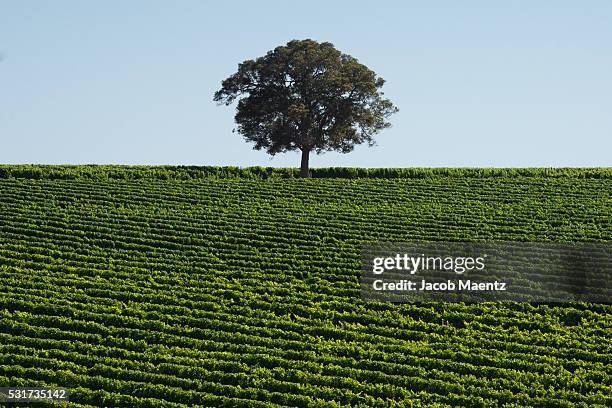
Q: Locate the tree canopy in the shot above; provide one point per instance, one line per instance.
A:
(306, 96)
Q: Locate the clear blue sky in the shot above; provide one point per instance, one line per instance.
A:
(478, 83)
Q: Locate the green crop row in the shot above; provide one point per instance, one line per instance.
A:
(104, 172)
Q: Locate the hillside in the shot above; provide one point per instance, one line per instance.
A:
(170, 287)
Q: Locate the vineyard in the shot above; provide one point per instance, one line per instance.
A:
(180, 287)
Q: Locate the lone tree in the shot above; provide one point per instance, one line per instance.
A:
(308, 96)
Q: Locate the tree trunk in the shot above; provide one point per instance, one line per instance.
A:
(304, 167)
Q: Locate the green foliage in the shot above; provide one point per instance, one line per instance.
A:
(200, 286)
(119, 172)
(309, 96)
